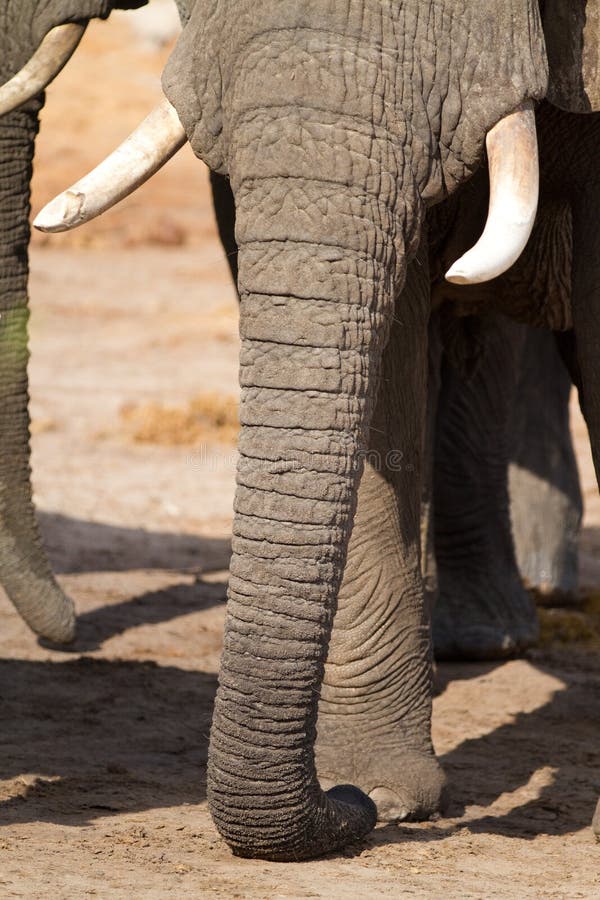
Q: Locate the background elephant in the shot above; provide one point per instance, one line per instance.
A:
(507, 503)
(25, 571)
(337, 128)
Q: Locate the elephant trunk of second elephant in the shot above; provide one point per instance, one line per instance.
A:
(318, 264)
(25, 572)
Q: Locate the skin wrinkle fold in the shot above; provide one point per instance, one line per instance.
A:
(386, 696)
(385, 616)
(279, 571)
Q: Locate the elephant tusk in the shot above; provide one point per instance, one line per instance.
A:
(143, 153)
(514, 192)
(53, 53)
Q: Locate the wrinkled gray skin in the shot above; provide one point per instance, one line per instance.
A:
(545, 495)
(503, 457)
(25, 572)
(338, 124)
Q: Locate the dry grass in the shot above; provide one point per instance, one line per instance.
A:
(42, 425)
(566, 626)
(207, 417)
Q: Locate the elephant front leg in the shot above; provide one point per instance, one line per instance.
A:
(374, 725)
(482, 610)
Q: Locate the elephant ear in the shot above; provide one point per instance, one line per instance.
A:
(572, 29)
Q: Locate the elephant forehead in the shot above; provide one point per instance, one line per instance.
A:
(435, 76)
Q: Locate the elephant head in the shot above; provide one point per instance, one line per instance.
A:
(36, 39)
(337, 122)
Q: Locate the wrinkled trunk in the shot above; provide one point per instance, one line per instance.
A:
(25, 572)
(318, 262)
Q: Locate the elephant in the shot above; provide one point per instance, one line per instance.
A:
(53, 28)
(345, 128)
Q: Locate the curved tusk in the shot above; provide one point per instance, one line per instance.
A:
(145, 151)
(514, 191)
(53, 53)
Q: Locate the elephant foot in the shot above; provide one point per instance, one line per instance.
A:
(596, 823)
(405, 785)
(482, 619)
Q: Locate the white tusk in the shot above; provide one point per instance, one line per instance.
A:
(514, 191)
(53, 53)
(145, 151)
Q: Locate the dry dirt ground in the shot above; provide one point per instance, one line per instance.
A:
(103, 748)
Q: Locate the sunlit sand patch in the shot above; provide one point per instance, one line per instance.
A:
(526, 793)
(507, 701)
(567, 626)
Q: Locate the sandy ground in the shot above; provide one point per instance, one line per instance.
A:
(103, 748)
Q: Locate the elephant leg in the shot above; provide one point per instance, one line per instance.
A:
(25, 572)
(374, 725)
(596, 822)
(545, 496)
(482, 610)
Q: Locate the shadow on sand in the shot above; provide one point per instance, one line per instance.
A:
(112, 735)
(126, 735)
(562, 736)
(77, 546)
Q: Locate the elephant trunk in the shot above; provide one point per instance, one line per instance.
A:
(25, 572)
(319, 264)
